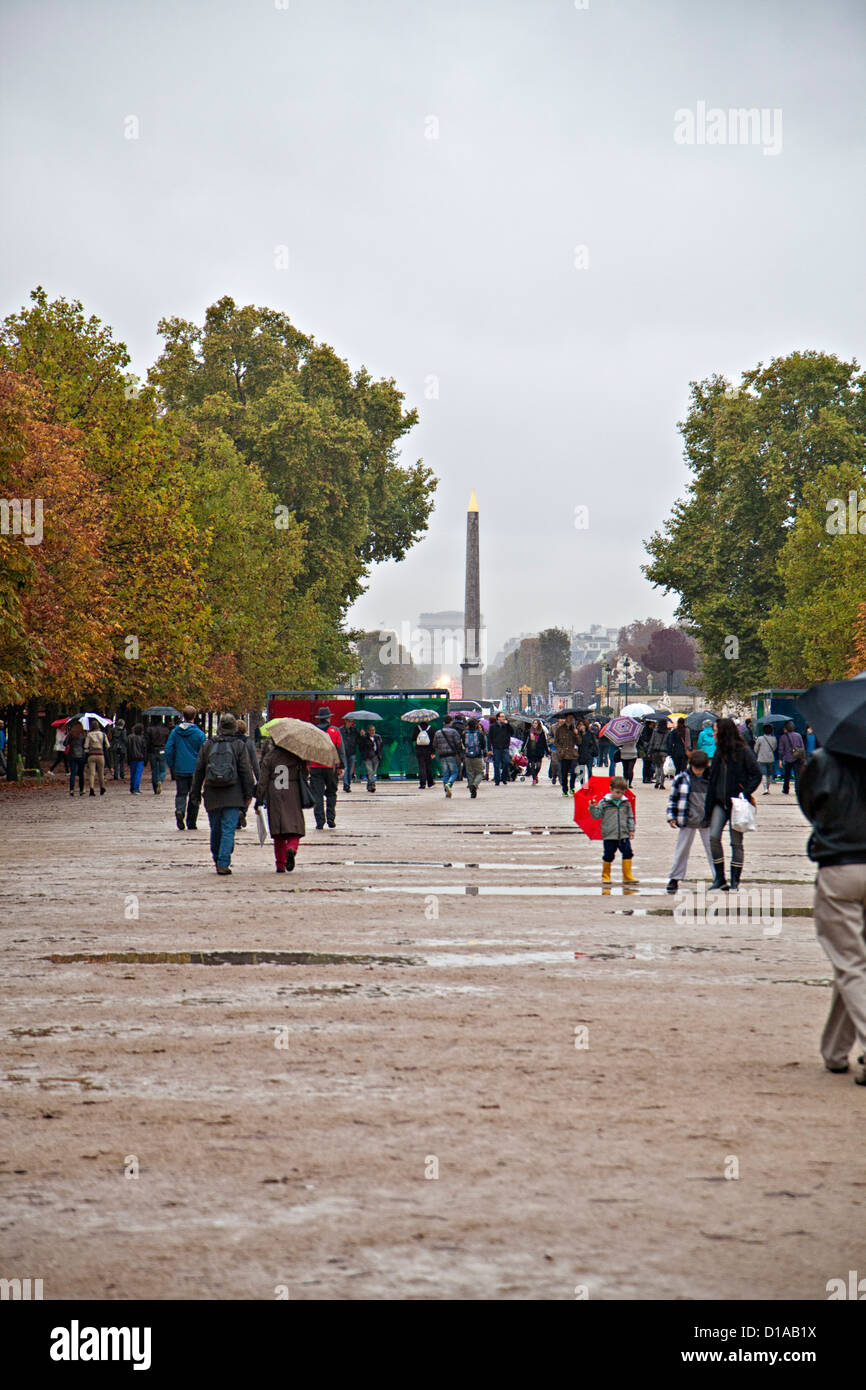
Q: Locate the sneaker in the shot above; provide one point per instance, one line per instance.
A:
(673, 884)
(473, 792)
(347, 789)
(222, 871)
(332, 825)
(447, 791)
(179, 820)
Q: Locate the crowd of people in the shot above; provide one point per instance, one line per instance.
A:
(715, 774)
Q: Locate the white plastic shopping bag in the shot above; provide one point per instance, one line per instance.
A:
(743, 814)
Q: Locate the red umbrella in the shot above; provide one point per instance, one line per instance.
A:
(594, 790)
(57, 722)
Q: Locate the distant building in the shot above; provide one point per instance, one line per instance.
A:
(593, 645)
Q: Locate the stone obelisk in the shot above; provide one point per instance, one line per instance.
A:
(472, 663)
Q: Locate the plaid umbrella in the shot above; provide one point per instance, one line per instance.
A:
(419, 716)
(594, 790)
(622, 729)
(303, 739)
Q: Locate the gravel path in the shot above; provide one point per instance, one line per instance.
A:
(448, 991)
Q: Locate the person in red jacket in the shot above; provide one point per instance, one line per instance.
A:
(323, 780)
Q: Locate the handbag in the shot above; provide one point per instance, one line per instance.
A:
(306, 793)
(743, 815)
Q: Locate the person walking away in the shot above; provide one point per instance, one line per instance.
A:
(137, 755)
(224, 778)
(567, 748)
(617, 827)
(792, 756)
(119, 751)
(349, 739)
(658, 752)
(587, 752)
(181, 756)
(76, 757)
(810, 742)
(324, 780)
(424, 753)
(500, 736)
(733, 772)
(370, 748)
(707, 739)
(59, 752)
(253, 755)
(448, 746)
(832, 795)
(643, 748)
(96, 750)
(279, 789)
(628, 753)
(475, 745)
(686, 808)
(156, 739)
(459, 724)
(677, 746)
(765, 755)
(535, 749)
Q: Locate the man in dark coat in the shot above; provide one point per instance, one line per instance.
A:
(324, 780)
(225, 795)
(156, 737)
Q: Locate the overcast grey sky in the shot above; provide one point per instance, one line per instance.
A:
(559, 384)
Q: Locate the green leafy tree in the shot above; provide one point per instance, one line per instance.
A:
(752, 452)
(325, 440)
(811, 634)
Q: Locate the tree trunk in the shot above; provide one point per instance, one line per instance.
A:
(14, 724)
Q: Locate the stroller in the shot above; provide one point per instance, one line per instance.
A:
(519, 761)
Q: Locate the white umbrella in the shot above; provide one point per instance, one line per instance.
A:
(85, 719)
(638, 711)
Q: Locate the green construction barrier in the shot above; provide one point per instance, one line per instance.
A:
(398, 750)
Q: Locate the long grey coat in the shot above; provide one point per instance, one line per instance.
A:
(285, 813)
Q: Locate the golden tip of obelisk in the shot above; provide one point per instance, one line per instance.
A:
(473, 502)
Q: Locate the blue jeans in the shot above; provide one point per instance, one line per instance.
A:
(223, 824)
(157, 768)
(501, 761)
(135, 770)
(353, 760)
(449, 770)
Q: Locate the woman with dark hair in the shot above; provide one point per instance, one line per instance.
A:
(535, 749)
(678, 745)
(734, 772)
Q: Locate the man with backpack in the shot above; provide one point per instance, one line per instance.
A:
(424, 754)
(475, 744)
(156, 738)
(223, 774)
(448, 745)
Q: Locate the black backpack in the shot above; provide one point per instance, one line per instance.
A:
(222, 764)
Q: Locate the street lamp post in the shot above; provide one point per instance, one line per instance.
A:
(508, 699)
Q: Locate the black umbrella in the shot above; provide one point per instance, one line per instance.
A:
(695, 721)
(773, 719)
(837, 712)
(156, 710)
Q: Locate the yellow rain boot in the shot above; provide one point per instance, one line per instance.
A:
(627, 876)
(605, 871)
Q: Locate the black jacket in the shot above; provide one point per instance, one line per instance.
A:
(156, 737)
(832, 795)
(588, 748)
(730, 777)
(500, 735)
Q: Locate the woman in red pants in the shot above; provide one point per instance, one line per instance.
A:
(279, 789)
